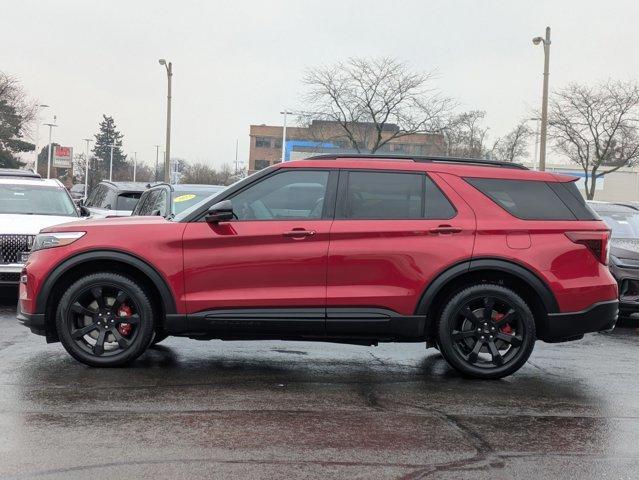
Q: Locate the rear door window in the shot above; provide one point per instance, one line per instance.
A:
(393, 196)
(525, 199)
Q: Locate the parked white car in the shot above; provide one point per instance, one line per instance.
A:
(28, 205)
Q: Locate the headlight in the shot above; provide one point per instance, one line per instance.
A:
(50, 240)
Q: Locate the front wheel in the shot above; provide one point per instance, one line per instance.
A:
(486, 331)
(105, 320)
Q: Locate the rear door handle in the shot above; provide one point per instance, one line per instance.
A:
(445, 229)
(299, 233)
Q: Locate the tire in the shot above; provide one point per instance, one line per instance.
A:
(486, 331)
(105, 320)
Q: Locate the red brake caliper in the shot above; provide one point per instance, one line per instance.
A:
(125, 328)
(504, 329)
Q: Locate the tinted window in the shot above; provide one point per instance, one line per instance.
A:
(389, 195)
(97, 196)
(286, 195)
(569, 194)
(127, 201)
(525, 199)
(146, 204)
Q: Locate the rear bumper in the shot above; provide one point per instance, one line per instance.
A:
(33, 321)
(599, 317)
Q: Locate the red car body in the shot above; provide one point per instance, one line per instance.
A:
(330, 269)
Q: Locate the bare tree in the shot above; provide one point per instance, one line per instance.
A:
(596, 127)
(514, 145)
(373, 101)
(465, 135)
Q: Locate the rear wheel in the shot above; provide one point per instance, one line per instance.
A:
(105, 320)
(486, 331)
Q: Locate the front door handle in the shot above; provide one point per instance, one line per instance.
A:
(445, 229)
(299, 233)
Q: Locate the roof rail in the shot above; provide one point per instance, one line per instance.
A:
(420, 158)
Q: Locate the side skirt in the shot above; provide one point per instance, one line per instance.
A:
(363, 326)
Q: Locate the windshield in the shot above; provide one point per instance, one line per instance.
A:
(36, 200)
(184, 199)
(622, 224)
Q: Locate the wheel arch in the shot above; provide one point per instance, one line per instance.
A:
(107, 260)
(489, 270)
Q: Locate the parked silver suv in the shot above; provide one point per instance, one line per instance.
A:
(114, 199)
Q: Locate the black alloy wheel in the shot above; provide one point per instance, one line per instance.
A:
(105, 319)
(486, 331)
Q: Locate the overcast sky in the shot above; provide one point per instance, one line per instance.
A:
(238, 62)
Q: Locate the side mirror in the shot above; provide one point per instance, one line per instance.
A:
(84, 211)
(220, 212)
(156, 213)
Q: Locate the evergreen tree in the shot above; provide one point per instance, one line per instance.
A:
(108, 135)
(11, 143)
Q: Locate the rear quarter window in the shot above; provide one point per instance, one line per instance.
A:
(527, 199)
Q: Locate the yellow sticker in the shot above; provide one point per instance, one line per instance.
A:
(184, 198)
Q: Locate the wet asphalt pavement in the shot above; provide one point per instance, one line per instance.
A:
(231, 410)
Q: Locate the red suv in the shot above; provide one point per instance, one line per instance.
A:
(476, 258)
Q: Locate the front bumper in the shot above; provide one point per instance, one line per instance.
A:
(10, 273)
(599, 317)
(34, 321)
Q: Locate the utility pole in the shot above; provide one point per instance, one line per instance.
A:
(285, 113)
(157, 153)
(86, 170)
(50, 125)
(167, 157)
(544, 102)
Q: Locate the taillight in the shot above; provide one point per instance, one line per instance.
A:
(597, 242)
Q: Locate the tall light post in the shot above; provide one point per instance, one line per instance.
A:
(50, 125)
(157, 154)
(285, 113)
(37, 139)
(111, 163)
(167, 157)
(86, 170)
(544, 102)
(135, 164)
(536, 120)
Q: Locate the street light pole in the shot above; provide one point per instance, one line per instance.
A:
(167, 157)
(50, 125)
(86, 170)
(157, 153)
(111, 164)
(135, 164)
(37, 139)
(285, 113)
(544, 102)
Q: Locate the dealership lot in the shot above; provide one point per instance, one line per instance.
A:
(189, 409)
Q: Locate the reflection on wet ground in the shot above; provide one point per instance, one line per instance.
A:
(191, 409)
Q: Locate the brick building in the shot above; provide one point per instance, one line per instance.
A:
(327, 137)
